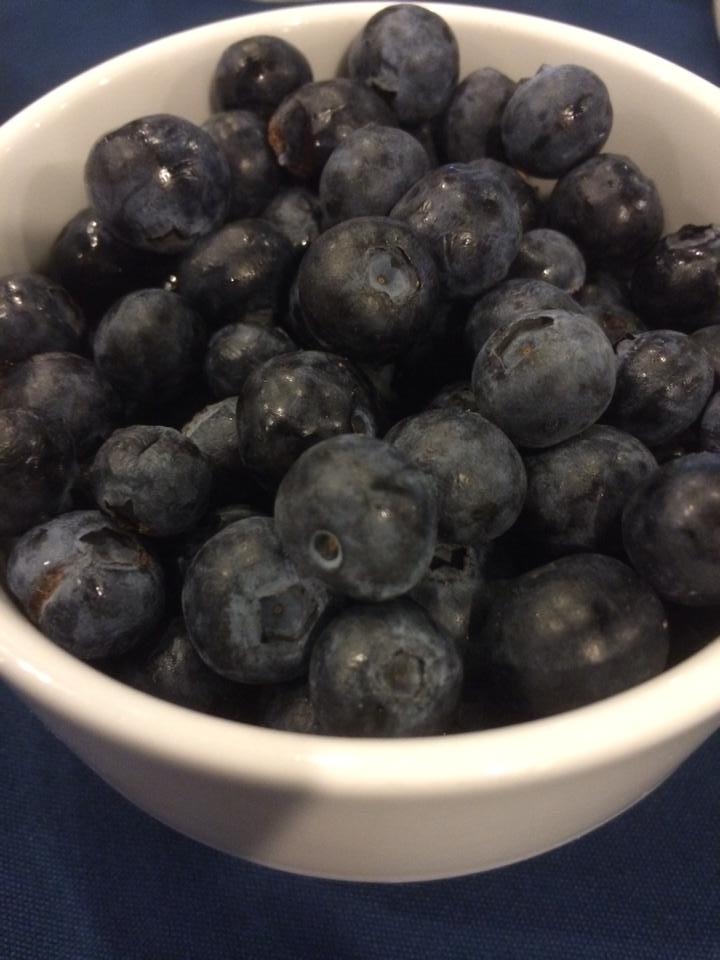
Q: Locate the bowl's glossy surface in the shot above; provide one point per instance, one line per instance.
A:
(393, 810)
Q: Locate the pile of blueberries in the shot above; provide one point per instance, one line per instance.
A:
(322, 418)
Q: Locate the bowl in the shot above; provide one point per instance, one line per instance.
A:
(361, 809)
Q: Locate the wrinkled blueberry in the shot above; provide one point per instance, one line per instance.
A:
(287, 706)
(608, 207)
(293, 401)
(90, 587)
(574, 631)
(471, 123)
(556, 119)
(213, 430)
(671, 530)
(312, 121)
(355, 512)
(545, 377)
(249, 613)
(709, 340)
(295, 212)
(368, 288)
(37, 469)
(710, 426)
(36, 316)
(664, 379)
(159, 183)
(455, 396)
(236, 350)
(531, 208)
(254, 174)
(257, 73)
(369, 172)
(242, 269)
(478, 475)
(550, 256)
(471, 222)
(151, 479)
(384, 671)
(409, 55)
(450, 590)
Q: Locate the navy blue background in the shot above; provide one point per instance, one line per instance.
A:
(85, 876)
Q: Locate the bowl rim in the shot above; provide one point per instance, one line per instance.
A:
(600, 733)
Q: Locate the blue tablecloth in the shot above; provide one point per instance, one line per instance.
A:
(85, 876)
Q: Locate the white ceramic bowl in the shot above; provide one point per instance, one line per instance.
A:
(361, 810)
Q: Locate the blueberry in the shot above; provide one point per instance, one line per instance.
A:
(671, 530)
(312, 121)
(556, 119)
(545, 377)
(287, 706)
(471, 122)
(455, 396)
(187, 546)
(508, 301)
(236, 350)
(709, 340)
(616, 321)
(90, 587)
(213, 430)
(609, 208)
(240, 270)
(36, 316)
(384, 671)
(159, 183)
(148, 346)
(293, 401)
(257, 73)
(368, 288)
(409, 55)
(677, 283)
(37, 469)
(478, 475)
(250, 615)
(664, 379)
(576, 491)
(355, 512)
(691, 629)
(531, 207)
(710, 426)
(604, 289)
(369, 172)
(550, 256)
(471, 222)
(65, 387)
(241, 137)
(574, 631)
(450, 591)
(296, 213)
(152, 480)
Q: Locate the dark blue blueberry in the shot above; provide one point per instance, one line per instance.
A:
(37, 469)
(572, 632)
(455, 396)
(426, 135)
(36, 316)
(478, 475)
(354, 511)
(312, 121)
(97, 269)
(691, 629)
(576, 491)
(451, 590)
(710, 426)
(545, 377)
(671, 530)
(615, 320)
(254, 174)
(556, 119)
(384, 670)
(243, 269)
(471, 222)
(90, 587)
(368, 288)
(709, 340)
(677, 283)
(664, 379)
(257, 73)
(369, 172)
(609, 208)
(532, 213)
(159, 183)
(295, 212)
(550, 256)
(236, 350)
(186, 547)
(148, 346)
(508, 301)
(471, 122)
(604, 289)
(293, 401)
(152, 480)
(409, 55)
(69, 388)
(287, 706)
(250, 615)
(213, 430)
